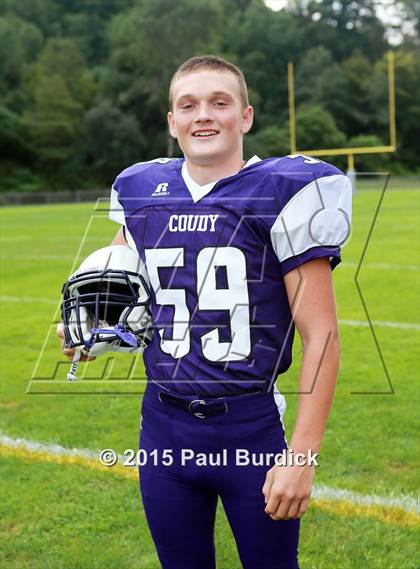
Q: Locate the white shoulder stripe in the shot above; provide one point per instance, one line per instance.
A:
(318, 215)
(116, 211)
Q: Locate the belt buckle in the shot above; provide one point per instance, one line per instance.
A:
(197, 413)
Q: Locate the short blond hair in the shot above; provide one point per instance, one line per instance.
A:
(213, 63)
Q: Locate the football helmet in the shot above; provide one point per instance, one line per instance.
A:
(105, 303)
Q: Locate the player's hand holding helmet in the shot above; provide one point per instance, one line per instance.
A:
(106, 304)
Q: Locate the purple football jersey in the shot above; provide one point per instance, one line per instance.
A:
(216, 256)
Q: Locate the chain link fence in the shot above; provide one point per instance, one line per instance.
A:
(67, 196)
(363, 181)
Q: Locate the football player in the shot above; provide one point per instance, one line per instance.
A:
(238, 254)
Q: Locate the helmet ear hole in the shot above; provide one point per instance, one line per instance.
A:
(137, 318)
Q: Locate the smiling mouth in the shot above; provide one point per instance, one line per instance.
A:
(205, 133)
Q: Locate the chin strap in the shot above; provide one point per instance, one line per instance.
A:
(71, 376)
(127, 337)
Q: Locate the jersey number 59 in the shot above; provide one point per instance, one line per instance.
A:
(234, 299)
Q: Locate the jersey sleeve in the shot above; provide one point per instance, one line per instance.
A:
(116, 213)
(127, 193)
(314, 223)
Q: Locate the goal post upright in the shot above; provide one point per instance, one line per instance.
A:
(292, 110)
(349, 152)
(391, 101)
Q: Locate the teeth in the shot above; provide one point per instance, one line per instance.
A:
(205, 133)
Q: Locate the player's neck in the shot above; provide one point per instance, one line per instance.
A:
(204, 174)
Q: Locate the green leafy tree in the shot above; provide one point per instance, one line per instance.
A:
(44, 14)
(111, 140)
(13, 138)
(262, 43)
(342, 26)
(316, 128)
(60, 87)
(359, 112)
(83, 85)
(20, 43)
(318, 79)
(60, 57)
(148, 42)
(407, 83)
(53, 119)
(369, 162)
(269, 141)
(85, 24)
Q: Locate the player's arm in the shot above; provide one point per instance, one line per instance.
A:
(119, 238)
(311, 296)
(314, 312)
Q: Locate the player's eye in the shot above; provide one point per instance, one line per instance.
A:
(186, 106)
(220, 103)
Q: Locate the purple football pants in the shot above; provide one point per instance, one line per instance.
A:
(180, 499)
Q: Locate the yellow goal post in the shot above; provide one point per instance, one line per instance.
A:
(350, 152)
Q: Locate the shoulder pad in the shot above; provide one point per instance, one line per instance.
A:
(139, 167)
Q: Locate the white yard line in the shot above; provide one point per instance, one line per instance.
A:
(49, 448)
(37, 256)
(381, 266)
(406, 503)
(320, 492)
(33, 299)
(355, 323)
(380, 324)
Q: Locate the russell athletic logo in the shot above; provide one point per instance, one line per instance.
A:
(161, 190)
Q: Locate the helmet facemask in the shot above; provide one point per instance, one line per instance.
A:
(106, 311)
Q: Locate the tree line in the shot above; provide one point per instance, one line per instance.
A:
(83, 84)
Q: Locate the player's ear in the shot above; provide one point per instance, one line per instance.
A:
(171, 124)
(247, 119)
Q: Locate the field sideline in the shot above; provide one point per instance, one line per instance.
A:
(65, 514)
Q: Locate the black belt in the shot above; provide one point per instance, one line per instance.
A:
(197, 407)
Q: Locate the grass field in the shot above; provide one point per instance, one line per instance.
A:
(66, 514)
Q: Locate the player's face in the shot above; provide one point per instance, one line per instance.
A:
(208, 118)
